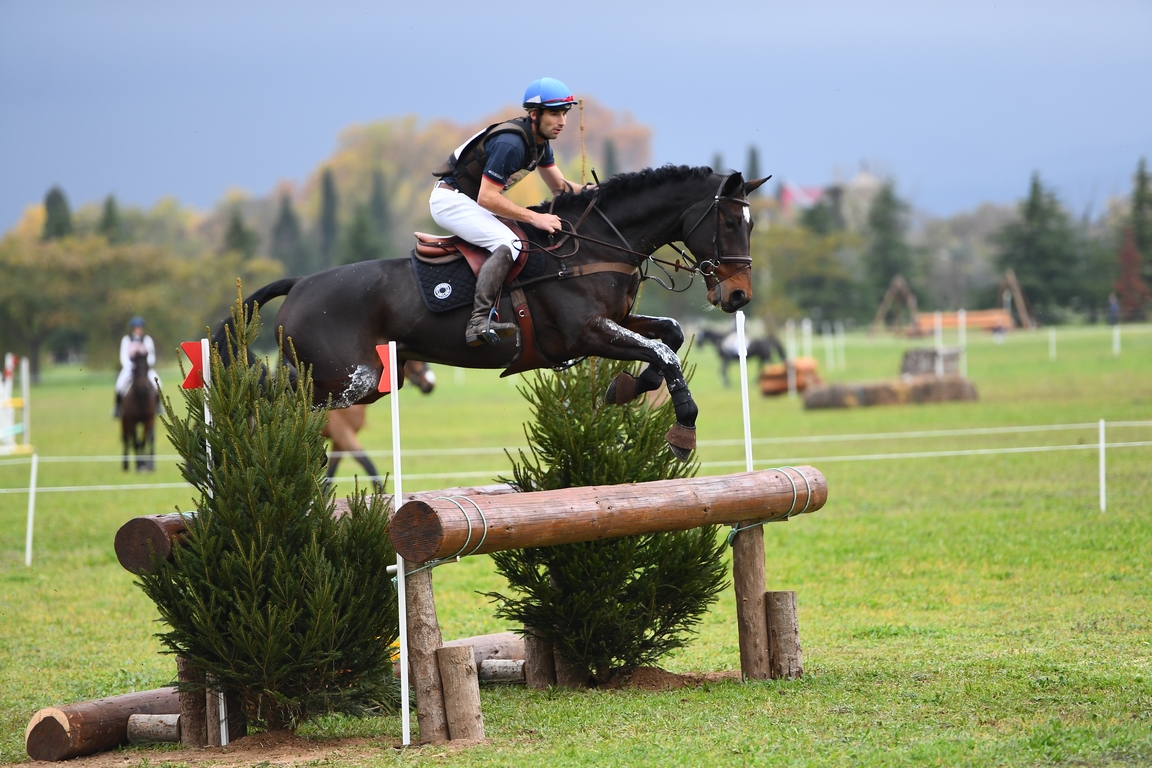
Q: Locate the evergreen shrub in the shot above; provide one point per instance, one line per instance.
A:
(287, 607)
(613, 605)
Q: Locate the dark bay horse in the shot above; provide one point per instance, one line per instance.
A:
(761, 349)
(138, 417)
(580, 307)
(344, 424)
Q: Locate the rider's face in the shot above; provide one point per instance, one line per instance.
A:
(551, 122)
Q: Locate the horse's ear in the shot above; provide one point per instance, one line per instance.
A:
(753, 185)
(732, 184)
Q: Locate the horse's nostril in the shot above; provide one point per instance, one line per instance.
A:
(737, 299)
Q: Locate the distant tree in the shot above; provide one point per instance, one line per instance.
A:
(1130, 288)
(288, 244)
(718, 163)
(888, 253)
(329, 225)
(1142, 218)
(822, 218)
(380, 215)
(752, 171)
(360, 241)
(58, 215)
(111, 227)
(1043, 248)
(238, 237)
(611, 166)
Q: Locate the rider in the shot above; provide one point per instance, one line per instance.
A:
(134, 342)
(469, 195)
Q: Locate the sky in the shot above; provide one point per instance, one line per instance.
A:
(958, 102)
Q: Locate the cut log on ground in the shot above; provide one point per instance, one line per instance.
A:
(161, 728)
(908, 389)
(461, 692)
(783, 635)
(501, 670)
(88, 727)
(138, 538)
(438, 527)
(774, 376)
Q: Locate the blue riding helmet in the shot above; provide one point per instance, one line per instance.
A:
(548, 93)
(136, 322)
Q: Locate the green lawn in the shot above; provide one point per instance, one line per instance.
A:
(954, 609)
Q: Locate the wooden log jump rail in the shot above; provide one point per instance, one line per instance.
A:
(446, 525)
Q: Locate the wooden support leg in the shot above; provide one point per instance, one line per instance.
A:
(193, 727)
(748, 582)
(539, 663)
(424, 639)
(783, 635)
(461, 692)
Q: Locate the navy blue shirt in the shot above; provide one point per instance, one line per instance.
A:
(507, 155)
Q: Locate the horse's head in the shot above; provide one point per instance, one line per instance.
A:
(718, 233)
(418, 372)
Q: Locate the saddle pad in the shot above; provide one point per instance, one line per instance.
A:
(450, 286)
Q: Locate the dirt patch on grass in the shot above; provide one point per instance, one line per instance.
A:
(656, 679)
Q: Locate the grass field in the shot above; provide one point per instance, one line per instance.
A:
(965, 609)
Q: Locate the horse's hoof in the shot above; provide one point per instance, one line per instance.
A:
(681, 441)
(622, 390)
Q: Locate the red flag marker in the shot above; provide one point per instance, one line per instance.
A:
(385, 375)
(195, 379)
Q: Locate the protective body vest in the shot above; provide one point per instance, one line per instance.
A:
(466, 165)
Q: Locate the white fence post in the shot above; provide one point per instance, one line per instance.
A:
(1103, 488)
(1051, 343)
(1116, 340)
(962, 330)
(31, 510)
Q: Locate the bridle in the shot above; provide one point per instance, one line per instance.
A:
(691, 264)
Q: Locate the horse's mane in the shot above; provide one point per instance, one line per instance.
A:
(624, 184)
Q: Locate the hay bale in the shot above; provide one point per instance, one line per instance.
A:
(907, 389)
(922, 361)
(774, 376)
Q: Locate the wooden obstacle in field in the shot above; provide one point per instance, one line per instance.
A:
(61, 733)
(439, 526)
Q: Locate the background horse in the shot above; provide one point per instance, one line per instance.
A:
(579, 305)
(138, 416)
(725, 343)
(344, 424)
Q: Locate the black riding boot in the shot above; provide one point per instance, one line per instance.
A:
(118, 411)
(481, 327)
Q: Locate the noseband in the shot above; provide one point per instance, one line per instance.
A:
(708, 267)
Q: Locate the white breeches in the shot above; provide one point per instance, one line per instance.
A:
(463, 216)
(124, 380)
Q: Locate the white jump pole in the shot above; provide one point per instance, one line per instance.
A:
(31, 510)
(1052, 344)
(938, 326)
(790, 329)
(1103, 487)
(806, 335)
(25, 393)
(1116, 340)
(742, 345)
(839, 325)
(397, 502)
(829, 344)
(962, 327)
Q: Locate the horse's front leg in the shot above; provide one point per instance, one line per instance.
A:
(606, 338)
(625, 388)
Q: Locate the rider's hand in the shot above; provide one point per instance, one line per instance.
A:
(549, 222)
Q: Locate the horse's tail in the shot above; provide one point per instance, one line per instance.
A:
(228, 326)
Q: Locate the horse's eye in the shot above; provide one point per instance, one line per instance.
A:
(731, 223)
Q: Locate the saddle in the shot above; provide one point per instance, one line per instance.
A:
(444, 249)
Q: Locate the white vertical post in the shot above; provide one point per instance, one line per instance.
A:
(839, 325)
(31, 510)
(829, 344)
(1103, 487)
(938, 326)
(806, 335)
(397, 502)
(1116, 339)
(742, 346)
(25, 393)
(206, 373)
(1051, 343)
(962, 327)
(790, 329)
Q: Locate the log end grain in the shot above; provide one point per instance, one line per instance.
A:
(47, 736)
(416, 532)
(140, 537)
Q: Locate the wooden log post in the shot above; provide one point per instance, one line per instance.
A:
(88, 727)
(162, 728)
(424, 639)
(193, 725)
(748, 583)
(784, 658)
(430, 528)
(539, 662)
(138, 538)
(461, 692)
(501, 670)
